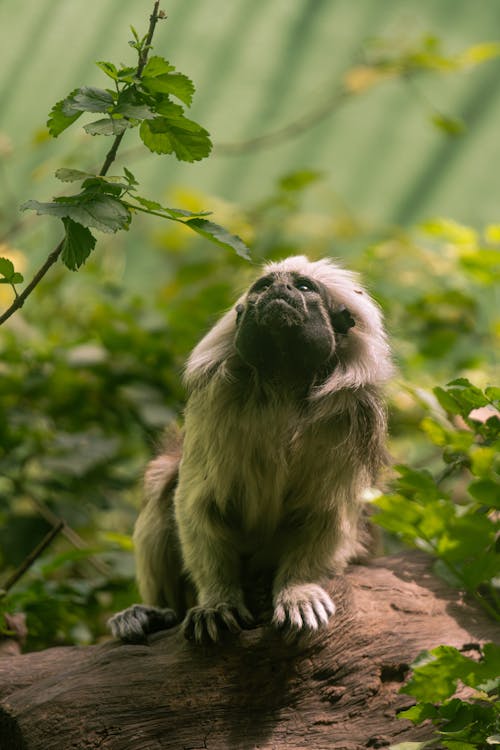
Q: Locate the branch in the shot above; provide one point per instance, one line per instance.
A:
(30, 559)
(110, 157)
(292, 130)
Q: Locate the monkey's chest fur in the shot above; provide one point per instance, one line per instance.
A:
(255, 463)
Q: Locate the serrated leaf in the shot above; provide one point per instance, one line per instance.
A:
(71, 175)
(6, 267)
(58, 121)
(150, 205)
(107, 126)
(219, 235)
(10, 275)
(109, 69)
(88, 99)
(183, 137)
(130, 177)
(78, 244)
(104, 212)
(176, 84)
(157, 66)
(171, 213)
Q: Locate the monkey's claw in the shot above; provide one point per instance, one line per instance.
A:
(304, 607)
(138, 621)
(205, 624)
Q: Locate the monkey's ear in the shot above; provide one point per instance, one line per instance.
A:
(240, 309)
(342, 319)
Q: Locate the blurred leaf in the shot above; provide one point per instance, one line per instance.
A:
(487, 491)
(300, 179)
(450, 125)
(219, 235)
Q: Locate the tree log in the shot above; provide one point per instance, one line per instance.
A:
(335, 691)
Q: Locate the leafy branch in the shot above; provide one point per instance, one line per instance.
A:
(462, 723)
(462, 535)
(142, 97)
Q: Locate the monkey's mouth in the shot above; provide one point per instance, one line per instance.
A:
(279, 311)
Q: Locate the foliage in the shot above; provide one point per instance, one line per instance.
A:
(460, 530)
(141, 98)
(462, 723)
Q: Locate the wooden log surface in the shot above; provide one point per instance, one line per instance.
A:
(335, 691)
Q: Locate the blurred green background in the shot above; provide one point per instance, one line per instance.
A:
(380, 145)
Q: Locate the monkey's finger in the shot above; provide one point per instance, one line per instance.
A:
(309, 616)
(326, 602)
(228, 618)
(210, 622)
(244, 615)
(279, 616)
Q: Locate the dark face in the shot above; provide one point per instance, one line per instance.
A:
(286, 328)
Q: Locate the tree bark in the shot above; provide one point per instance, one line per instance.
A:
(335, 691)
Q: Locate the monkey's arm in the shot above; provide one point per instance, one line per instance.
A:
(212, 560)
(299, 600)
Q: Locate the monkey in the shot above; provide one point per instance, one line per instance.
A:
(284, 428)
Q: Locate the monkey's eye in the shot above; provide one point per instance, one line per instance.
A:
(304, 285)
(261, 284)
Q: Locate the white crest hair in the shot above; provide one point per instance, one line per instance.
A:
(364, 357)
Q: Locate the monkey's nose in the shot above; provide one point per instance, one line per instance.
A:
(283, 287)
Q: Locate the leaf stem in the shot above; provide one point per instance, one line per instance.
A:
(20, 299)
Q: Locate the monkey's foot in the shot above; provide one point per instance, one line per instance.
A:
(205, 624)
(138, 621)
(303, 607)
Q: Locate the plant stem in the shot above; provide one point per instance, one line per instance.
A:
(20, 299)
(30, 559)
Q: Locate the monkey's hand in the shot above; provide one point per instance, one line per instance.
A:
(205, 624)
(138, 621)
(302, 607)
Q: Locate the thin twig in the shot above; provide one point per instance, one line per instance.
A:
(292, 130)
(110, 157)
(30, 559)
(71, 535)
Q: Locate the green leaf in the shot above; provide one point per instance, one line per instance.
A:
(487, 491)
(171, 213)
(188, 140)
(104, 212)
(109, 69)
(78, 244)
(219, 235)
(10, 275)
(130, 177)
(58, 120)
(419, 713)
(493, 393)
(71, 175)
(300, 179)
(88, 99)
(6, 267)
(176, 84)
(450, 125)
(157, 66)
(107, 126)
